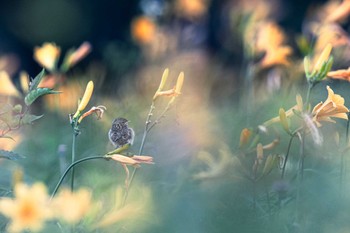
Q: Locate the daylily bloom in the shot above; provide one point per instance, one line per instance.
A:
(340, 74)
(134, 160)
(270, 39)
(332, 107)
(99, 110)
(47, 55)
(28, 210)
(174, 92)
(86, 98)
(277, 56)
(324, 56)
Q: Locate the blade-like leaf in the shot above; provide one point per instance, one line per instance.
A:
(10, 155)
(35, 82)
(34, 94)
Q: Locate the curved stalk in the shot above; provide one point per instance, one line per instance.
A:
(72, 167)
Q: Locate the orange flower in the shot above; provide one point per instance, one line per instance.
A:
(332, 107)
(277, 56)
(340, 74)
(270, 39)
(75, 56)
(143, 29)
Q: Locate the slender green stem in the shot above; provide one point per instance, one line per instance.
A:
(72, 167)
(342, 158)
(145, 132)
(310, 86)
(73, 159)
(287, 155)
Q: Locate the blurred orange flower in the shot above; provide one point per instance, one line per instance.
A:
(191, 8)
(75, 56)
(28, 210)
(143, 29)
(340, 74)
(47, 55)
(332, 107)
(270, 39)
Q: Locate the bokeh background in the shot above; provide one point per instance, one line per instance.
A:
(197, 183)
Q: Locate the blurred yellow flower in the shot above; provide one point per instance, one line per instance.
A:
(28, 210)
(47, 55)
(6, 85)
(143, 29)
(72, 207)
(332, 107)
(340, 74)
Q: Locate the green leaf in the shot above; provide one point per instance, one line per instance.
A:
(35, 82)
(25, 120)
(34, 94)
(10, 155)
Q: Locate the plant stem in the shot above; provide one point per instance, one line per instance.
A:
(72, 167)
(287, 155)
(145, 132)
(73, 159)
(310, 86)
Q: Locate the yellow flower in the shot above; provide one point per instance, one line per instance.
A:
(28, 210)
(332, 107)
(340, 74)
(86, 98)
(72, 207)
(162, 83)
(47, 55)
(326, 52)
(6, 86)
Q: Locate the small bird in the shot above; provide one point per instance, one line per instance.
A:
(121, 134)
